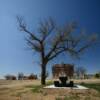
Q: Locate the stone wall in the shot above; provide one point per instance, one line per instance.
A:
(62, 70)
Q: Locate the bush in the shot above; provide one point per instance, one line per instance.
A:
(32, 76)
(97, 75)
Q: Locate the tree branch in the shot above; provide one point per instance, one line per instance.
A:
(22, 25)
(46, 28)
(34, 46)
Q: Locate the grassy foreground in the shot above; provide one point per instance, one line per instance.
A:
(33, 90)
(73, 95)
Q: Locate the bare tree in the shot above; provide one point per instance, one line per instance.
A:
(51, 41)
(80, 71)
(20, 76)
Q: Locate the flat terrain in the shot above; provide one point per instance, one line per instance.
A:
(32, 90)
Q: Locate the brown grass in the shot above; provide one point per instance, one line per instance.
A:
(21, 90)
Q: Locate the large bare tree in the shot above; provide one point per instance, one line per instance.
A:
(52, 40)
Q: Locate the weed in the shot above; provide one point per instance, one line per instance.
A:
(50, 82)
(58, 98)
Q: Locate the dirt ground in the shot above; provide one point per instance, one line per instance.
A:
(19, 90)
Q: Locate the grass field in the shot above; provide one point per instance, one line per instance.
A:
(32, 90)
(95, 86)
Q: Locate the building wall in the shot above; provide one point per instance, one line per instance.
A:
(62, 70)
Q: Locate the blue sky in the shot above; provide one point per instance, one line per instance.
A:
(14, 53)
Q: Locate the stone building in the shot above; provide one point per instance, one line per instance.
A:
(63, 70)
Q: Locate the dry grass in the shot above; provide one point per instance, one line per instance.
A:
(22, 90)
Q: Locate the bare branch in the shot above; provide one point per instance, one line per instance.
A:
(34, 45)
(46, 28)
(22, 26)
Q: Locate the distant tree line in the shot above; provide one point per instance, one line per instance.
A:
(21, 76)
(81, 73)
(97, 75)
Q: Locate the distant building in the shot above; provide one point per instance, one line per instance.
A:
(10, 77)
(63, 70)
(21, 76)
(30, 77)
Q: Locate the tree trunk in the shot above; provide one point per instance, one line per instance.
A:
(43, 74)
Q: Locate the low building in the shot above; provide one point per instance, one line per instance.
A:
(10, 77)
